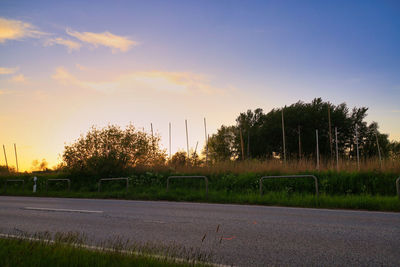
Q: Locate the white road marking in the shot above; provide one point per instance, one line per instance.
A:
(63, 210)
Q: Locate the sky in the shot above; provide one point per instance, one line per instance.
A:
(68, 65)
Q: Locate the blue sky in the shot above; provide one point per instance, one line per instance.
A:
(161, 61)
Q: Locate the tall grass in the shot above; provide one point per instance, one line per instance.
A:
(291, 166)
(70, 249)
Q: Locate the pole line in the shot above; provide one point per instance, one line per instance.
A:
(358, 154)
(283, 137)
(316, 135)
(337, 150)
(248, 144)
(187, 140)
(205, 136)
(241, 143)
(169, 140)
(5, 156)
(16, 157)
(152, 137)
(330, 130)
(379, 150)
(298, 130)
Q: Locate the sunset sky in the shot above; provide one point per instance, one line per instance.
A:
(68, 65)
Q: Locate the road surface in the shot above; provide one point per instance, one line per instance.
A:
(247, 235)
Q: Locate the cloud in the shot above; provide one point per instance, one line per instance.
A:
(8, 70)
(107, 39)
(15, 30)
(177, 82)
(80, 67)
(71, 45)
(20, 78)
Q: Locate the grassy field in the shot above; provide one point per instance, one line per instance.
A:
(367, 190)
(23, 252)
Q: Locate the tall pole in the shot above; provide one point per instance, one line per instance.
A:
(298, 130)
(379, 150)
(170, 140)
(152, 137)
(283, 137)
(5, 156)
(205, 136)
(16, 157)
(330, 130)
(241, 143)
(187, 140)
(248, 144)
(358, 154)
(337, 150)
(316, 135)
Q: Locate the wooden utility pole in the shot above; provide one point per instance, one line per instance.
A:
(16, 157)
(330, 131)
(298, 131)
(358, 154)
(337, 150)
(241, 143)
(283, 137)
(206, 140)
(152, 137)
(169, 140)
(5, 156)
(379, 150)
(316, 135)
(248, 144)
(187, 140)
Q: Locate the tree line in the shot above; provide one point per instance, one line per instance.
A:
(257, 135)
(260, 135)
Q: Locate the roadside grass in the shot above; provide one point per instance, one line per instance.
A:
(280, 198)
(40, 252)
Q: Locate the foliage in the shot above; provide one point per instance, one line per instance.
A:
(261, 134)
(112, 151)
(19, 252)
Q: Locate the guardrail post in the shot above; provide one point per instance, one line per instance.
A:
(398, 187)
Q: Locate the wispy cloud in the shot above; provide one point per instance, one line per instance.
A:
(8, 70)
(20, 78)
(15, 30)
(107, 39)
(177, 82)
(396, 111)
(71, 45)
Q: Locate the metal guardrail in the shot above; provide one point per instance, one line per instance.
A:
(114, 179)
(291, 176)
(14, 180)
(189, 177)
(398, 187)
(54, 180)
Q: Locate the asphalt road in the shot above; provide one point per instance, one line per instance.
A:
(251, 235)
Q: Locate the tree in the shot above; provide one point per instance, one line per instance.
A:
(112, 151)
(262, 133)
(222, 145)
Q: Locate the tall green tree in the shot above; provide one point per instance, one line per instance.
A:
(262, 133)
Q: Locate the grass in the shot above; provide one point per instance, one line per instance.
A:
(283, 198)
(365, 189)
(66, 252)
